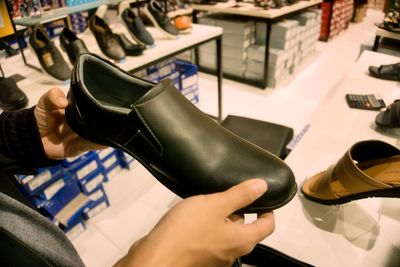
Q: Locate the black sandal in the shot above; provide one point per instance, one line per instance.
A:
(386, 72)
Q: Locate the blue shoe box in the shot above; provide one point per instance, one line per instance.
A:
(75, 228)
(35, 184)
(93, 181)
(125, 159)
(61, 199)
(98, 202)
(188, 84)
(86, 165)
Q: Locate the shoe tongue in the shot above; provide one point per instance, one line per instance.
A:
(156, 90)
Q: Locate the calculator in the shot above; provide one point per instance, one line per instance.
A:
(364, 101)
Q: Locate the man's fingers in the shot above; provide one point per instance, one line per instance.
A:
(53, 99)
(241, 195)
(260, 229)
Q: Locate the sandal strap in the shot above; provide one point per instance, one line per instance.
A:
(391, 69)
(353, 178)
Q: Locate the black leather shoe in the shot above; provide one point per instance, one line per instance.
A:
(108, 41)
(50, 58)
(130, 48)
(160, 19)
(11, 97)
(136, 27)
(182, 147)
(389, 72)
(72, 45)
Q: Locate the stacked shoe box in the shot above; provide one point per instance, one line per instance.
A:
(336, 17)
(188, 80)
(78, 22)
(182, 73)
(238, 35)
(291, 42)
(71, 192)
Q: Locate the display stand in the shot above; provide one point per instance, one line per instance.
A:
(386, 34)
(358, 233)
(249, 10)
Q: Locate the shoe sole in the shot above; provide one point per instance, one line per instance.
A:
(155, 23)
(382, 193)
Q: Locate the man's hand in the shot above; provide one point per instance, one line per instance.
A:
(59, 141)
(201, 231)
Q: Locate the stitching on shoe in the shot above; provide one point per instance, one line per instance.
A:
(149, 128)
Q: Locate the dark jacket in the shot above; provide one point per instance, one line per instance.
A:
(26, 237)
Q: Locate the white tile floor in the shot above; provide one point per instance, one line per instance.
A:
(138, 200)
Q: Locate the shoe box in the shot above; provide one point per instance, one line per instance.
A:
(183, 74)
(238, 35)
(72, 191)
(291, 42)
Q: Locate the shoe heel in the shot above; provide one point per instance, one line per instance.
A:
(74, 121)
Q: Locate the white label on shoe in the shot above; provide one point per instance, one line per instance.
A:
(48, 60)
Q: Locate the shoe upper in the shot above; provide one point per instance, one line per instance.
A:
(130, 48)
(161, 18)
(11, 97)
(50, 58)
(136, 27)
(108, 41)
(181, 146)
(72, 44)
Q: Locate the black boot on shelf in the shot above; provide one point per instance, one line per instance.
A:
(136, 27)
(11, 97)
(107, 40)
(130, 48)
(160, 19)
(72, 45)
(50, 58)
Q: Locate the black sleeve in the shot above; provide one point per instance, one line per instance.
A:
(21, 148)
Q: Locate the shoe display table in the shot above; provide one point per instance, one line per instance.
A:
(360, 233)
(386, 34)
(269, 16)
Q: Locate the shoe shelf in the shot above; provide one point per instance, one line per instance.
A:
(247, 9)
(61, 13)
(386, 34)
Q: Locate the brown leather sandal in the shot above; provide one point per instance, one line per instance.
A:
(368, 169)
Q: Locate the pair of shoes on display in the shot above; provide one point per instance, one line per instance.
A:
(72, 45)
(11, 97)
(368, 169)
(386, 72)
(112, 45)
(160, 19)
(391, 21)
(390, 117)
(180, 146)
(50, 58)
(136, 27)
